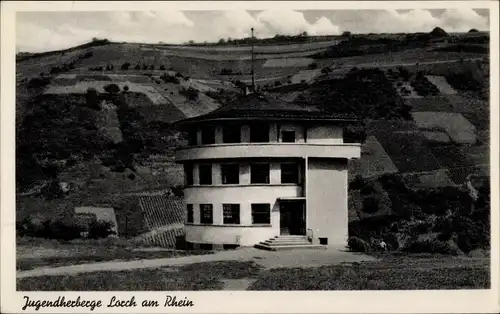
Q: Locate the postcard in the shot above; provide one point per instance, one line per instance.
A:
(240, 157)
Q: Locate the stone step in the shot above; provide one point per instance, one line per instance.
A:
(284, 243)
(289, 247)
(287, 240)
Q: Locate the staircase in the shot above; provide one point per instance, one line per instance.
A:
(288, 242)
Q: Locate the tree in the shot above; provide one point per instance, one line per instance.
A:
(438, 32)
(137, 67)
(92, 98)
(347, 34)
(125, 66)
(222, 41)
(473, 30)
(112, 88)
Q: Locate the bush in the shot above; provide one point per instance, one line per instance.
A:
(92, 99)
(38, 82)
(50, 229)
(162, 67)
(100, 229)
(112, 88)
(356, 244)
(190, 93)
(125, 66)
(313, 65)
(125, 88)
(169, 79)
(137, 67)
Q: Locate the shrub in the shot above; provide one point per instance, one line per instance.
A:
(169, 79)
(92, 99)
(356, 244)
(313, 65)
(162, 67)
(125, 88)
(112, 88)
(190, 93)
(144, 66)
(125, 66)
(326, 70)
(100, 229)
(60, 229)
(38, 82)
(178, 74)
(137, 67)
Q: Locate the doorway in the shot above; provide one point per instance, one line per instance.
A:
(293, 218)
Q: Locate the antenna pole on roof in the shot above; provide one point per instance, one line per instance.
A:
(253, 73)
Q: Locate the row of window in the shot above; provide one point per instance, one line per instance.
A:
(259, 133)
(261, 214)
(230, 173)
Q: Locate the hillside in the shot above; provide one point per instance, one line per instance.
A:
(98, 116)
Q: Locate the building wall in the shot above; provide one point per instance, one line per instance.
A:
(248, 234)
(324, 134)
(316, 134)
(326, 191)
(274, 171)
(244, 236)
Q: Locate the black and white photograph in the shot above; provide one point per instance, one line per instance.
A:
(266, 149)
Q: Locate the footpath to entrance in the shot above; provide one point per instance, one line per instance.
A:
(266, 259)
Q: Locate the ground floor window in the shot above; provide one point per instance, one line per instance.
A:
(206, 214)
(231, 213)
(190, 216)
(261, 214)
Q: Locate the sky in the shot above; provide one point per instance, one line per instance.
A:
(53, 30)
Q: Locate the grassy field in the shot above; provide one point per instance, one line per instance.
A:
(34, 252)
(391, 273)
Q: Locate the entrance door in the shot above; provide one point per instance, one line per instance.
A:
(292, 218)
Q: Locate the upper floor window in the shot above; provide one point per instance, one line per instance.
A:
(259, 133)
(190, 214)
(289, 173)
(206, 214)
(261, 214)
(231, 134)
(188, 173)
(259, 173)
(193, 137)
(231, 213)
(205, 174)
(288, 136)
(230, 173)
(208, 135)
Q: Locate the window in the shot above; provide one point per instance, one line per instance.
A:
(261, 214)
(230, 173)
(231, 213)
(259, 133)
(206, 174)
(192, 137)
(206, 214)
(259, 173)
(188, 173)
(289, 173)
(190, 218)
(231, 134)
(208, 135)
(288, 136)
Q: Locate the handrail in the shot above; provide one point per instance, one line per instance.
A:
(310, 238)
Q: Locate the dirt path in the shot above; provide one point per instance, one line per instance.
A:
(266, 259)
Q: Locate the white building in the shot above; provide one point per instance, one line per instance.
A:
(261, 169)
